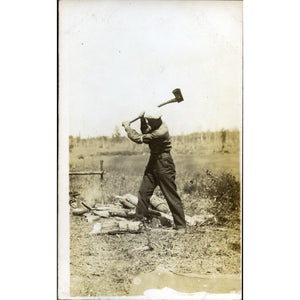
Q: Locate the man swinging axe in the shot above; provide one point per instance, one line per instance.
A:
(160, 170)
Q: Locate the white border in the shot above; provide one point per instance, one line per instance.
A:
(28, 149)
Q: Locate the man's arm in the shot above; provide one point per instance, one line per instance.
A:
(144, 138)
(156, 134)
(131, 133)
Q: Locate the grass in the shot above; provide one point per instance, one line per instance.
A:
(208, 182)
(211, 176)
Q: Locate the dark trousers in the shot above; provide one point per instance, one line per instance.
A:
(160, 171)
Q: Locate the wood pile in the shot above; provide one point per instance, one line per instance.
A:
(119, 217)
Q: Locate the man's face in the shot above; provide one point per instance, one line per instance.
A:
(153, 123)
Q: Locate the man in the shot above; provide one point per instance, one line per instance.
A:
(160, 169)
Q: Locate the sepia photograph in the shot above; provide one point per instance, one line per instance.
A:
(150, 132)
(149, 149)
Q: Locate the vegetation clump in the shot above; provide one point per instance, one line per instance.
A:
(222, 188)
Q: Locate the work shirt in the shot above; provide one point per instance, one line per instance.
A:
(159, 140)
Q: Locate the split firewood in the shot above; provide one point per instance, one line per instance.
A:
(115, 212)
(114, 227)
(95, 213)
(102, 214)
(125, 202)
(201, 220)
(90, 217)
(190, 221)
(106, 212)
(79, 211)
(101, 208)
(131, 201)
(165, 219)
(128, 200)
(121, 212)
(160, 214)
(159, 204)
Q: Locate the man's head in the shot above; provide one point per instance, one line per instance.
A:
(153, 117)
(153, 113)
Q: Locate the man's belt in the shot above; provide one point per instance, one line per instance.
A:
(160, 155)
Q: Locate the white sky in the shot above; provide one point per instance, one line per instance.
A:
(119, 57)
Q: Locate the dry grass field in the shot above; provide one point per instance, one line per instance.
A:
(208, 182)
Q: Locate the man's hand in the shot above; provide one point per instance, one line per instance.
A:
(126, 124)
(141, 115)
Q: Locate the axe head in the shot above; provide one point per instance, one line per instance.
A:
(178, 95)
(178, 98)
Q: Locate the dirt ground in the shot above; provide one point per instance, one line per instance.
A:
(105, 265)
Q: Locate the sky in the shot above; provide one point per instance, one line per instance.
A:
(118, 58)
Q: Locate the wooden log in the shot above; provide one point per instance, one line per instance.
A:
(165, 219)
(160, 214)
(103, 208)
(114, 227)
(79, 211)
(122, 213)
(132, 199)
(159, 204)
(127, 201)
(105, 212)
(91, 217)
(108, 211)
(115, 212)
(102, 214)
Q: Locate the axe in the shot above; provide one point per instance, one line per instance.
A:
(178, 98)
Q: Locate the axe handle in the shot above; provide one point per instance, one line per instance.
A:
(167, 102)
(160, 105)
(135, 119)
(164, 103)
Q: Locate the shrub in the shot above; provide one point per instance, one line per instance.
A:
(223, 188)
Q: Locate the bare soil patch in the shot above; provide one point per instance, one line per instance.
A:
(105, 265)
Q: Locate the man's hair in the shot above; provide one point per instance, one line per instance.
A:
(154, 123)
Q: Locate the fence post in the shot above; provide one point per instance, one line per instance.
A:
(101, 169)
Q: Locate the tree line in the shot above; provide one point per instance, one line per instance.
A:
(223, 140)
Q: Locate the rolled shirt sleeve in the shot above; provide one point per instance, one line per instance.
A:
(134, 135)
(147, 138)
(161, 132)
